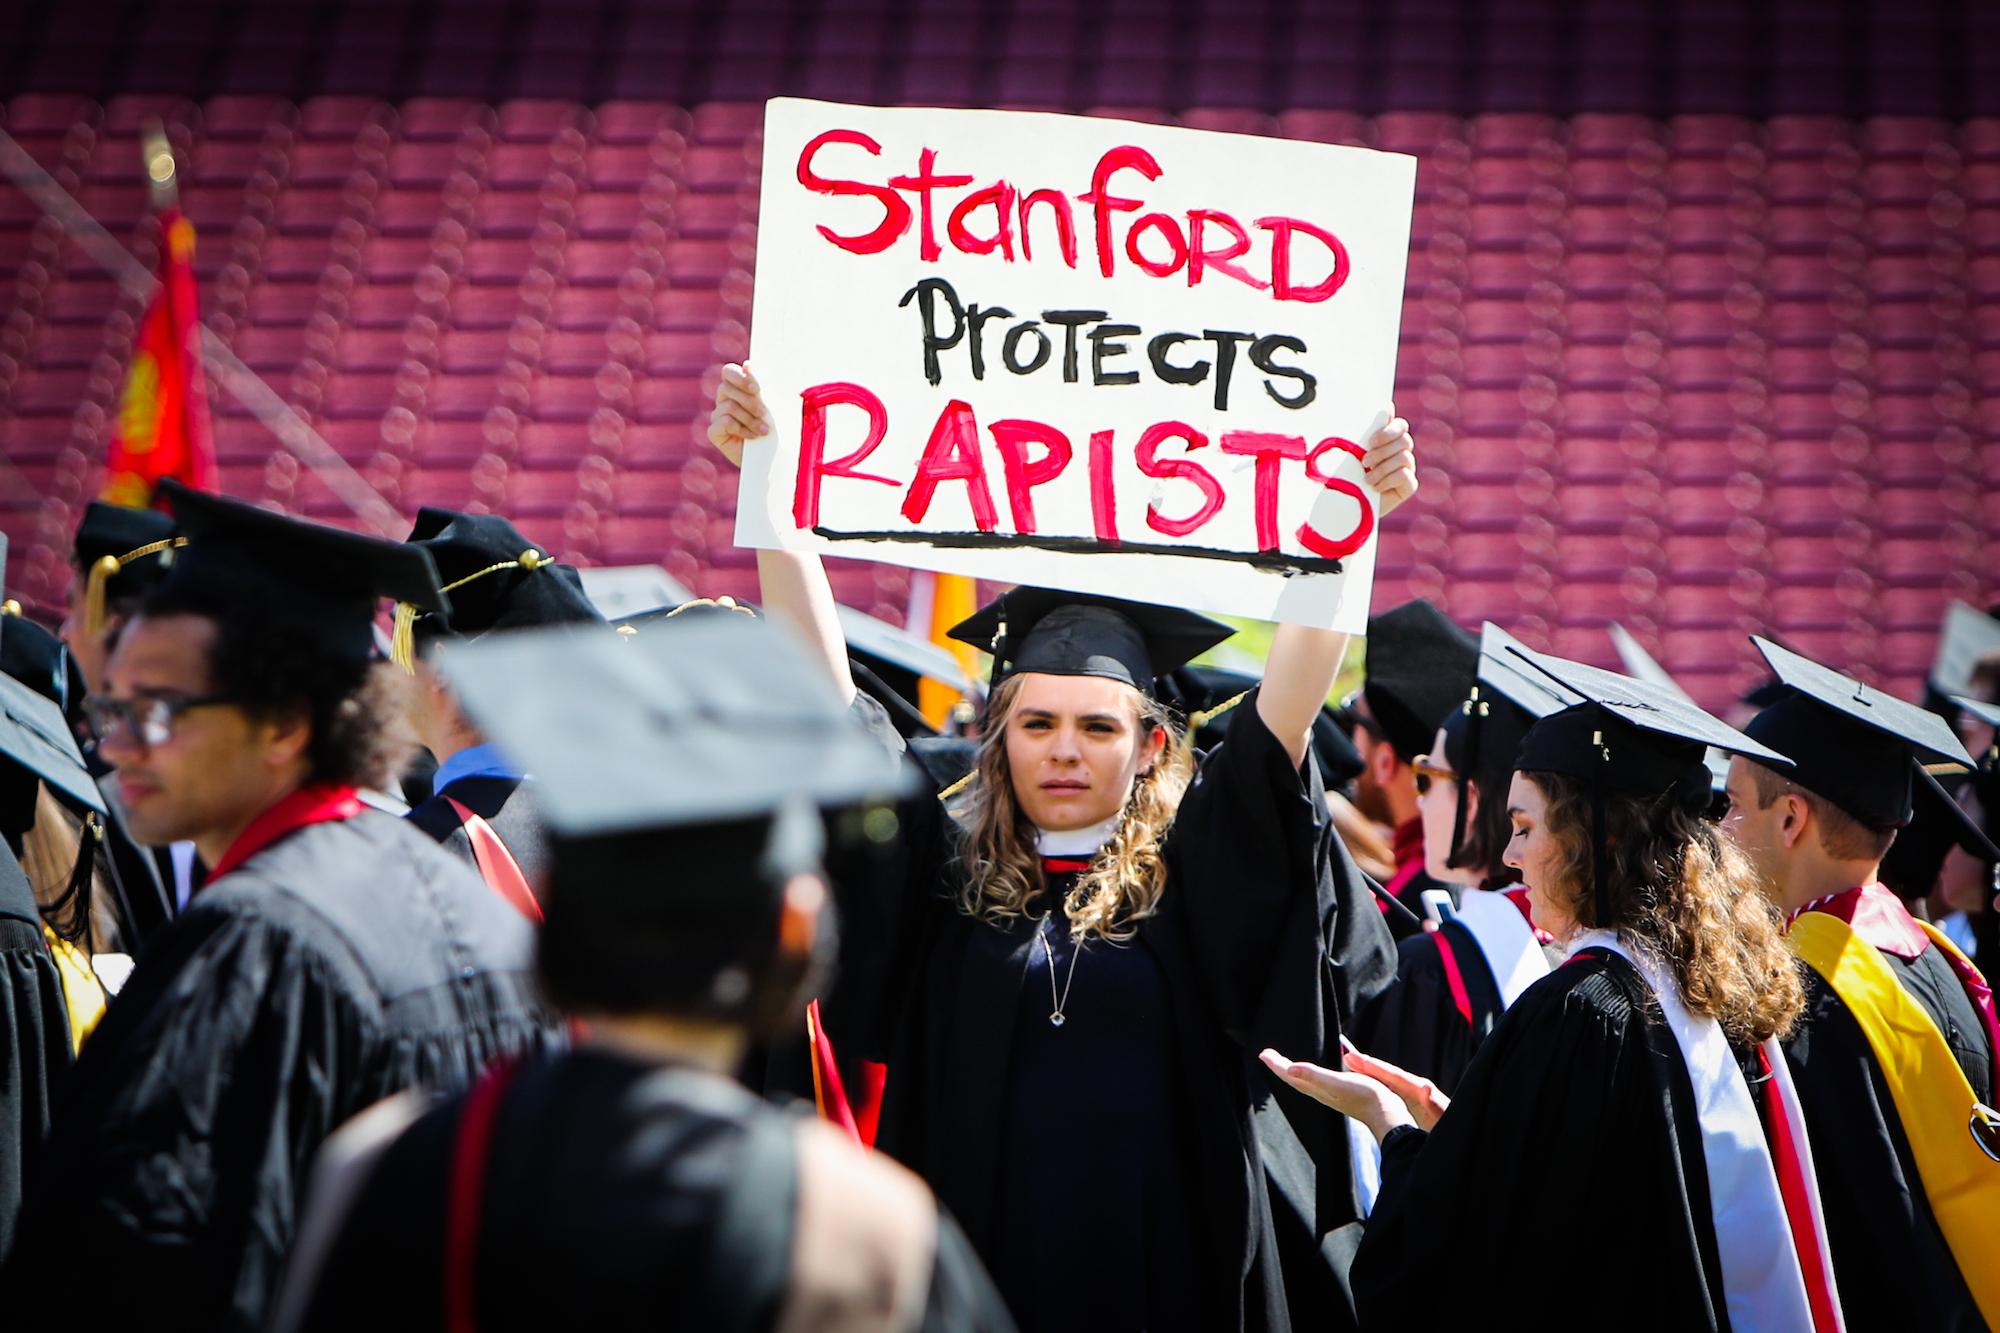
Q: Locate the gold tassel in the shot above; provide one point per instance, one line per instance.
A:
(10, 607)
(402, 637)
(109, 567)
(102, 572)
(958, 786)
(402, 643)
(1202, 719)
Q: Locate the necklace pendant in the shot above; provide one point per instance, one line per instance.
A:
(1056, 1019)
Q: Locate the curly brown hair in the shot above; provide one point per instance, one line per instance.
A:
(1673, 883)
(1124, 882)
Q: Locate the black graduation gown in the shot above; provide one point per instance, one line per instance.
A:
(34, 1035)
(1416, 1023)
(614, 1192)
(1568, 1174)
(343, 962)
(1266, 936)
(1890, 1260)
(508, 804)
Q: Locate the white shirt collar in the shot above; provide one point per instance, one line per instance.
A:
(1078, 841)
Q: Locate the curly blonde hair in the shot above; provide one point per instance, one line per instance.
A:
(1123, 885)
(1674, 883)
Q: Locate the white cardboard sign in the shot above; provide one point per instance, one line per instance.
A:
(1095, 355)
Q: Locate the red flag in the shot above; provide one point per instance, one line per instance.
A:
(162, 428)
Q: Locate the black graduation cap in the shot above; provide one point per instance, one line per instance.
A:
(331, 578)
(1483, 734)
(1420, 667)
(42, 662)
(1850, 742)
(497, 579)
(124, 548)
(1081, 634)
(1206, 695)
(697, 720)
(35, 734)
(1629, 736)
(1642, 665)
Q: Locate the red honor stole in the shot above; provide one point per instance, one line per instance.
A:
(314, 803)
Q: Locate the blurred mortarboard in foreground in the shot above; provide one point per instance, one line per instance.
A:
(697, 720)
(1079, 634)
(1849, 742)
(331, 578)
(676, 769)
(1420, 666)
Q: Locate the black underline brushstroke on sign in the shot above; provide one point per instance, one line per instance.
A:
(1277, 562)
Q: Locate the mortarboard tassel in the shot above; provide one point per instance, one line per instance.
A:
(1208, 715)
(107, 568)
(402, 646)
(1475, 710)
(402, 634)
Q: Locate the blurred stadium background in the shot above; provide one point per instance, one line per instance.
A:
(1701, 334)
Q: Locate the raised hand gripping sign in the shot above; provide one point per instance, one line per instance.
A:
(1090, 354)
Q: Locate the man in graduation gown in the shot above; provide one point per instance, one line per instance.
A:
(1420, 667)
(1894, 1056)
(336, 955)
(629, 1179)
(497, 580)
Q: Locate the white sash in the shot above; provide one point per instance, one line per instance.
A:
(1513, 954)
(1761, 1281)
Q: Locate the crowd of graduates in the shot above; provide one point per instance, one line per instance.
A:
(485, 964)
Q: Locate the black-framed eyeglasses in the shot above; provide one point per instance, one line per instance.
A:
(150, 718)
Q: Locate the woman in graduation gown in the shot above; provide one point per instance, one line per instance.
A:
(1618, 1144)
(1078, 967)
(1453, 983)
(629, 1182)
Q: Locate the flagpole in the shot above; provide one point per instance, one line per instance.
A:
(243, 383)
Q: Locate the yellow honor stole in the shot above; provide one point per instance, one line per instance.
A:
(1954, 1138)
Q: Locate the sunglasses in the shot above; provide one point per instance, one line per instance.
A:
(1427, 773)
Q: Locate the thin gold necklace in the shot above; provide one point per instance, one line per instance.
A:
(1056, 1016)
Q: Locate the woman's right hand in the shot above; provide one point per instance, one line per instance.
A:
(739, 414)
(1421, 1097)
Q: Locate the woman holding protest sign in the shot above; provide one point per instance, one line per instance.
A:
(1078, 965)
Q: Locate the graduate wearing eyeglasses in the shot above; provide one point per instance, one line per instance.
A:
(334, 956)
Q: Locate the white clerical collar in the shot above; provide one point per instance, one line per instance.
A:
(1076, 841)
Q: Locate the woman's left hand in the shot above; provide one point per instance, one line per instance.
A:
(1354, 1095)
(1390, 462)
